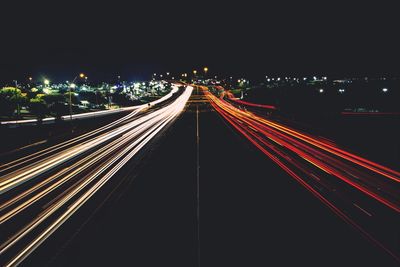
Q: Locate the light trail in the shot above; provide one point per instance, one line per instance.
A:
(232, 97)
(33, 212)
(335, 176)
(136, 109)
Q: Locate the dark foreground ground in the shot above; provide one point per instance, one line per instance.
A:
(251, 212)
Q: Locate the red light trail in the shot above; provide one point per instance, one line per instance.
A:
(347, 183)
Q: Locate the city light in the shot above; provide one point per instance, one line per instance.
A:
(46, 82)
(194, 72)
(385, 90)
(82, 75)
(72, 85)
(205, 69)
(321, 90)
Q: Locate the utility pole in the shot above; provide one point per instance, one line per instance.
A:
(17, 98)
(70, 103)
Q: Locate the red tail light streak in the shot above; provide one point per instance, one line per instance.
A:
(350, 185)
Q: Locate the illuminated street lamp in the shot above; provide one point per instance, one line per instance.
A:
(73, 86)
(385, 90)
(194, 72)
(205, 70)
(30, 79)
(46, 82)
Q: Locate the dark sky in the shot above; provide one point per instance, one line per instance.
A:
(134, 39)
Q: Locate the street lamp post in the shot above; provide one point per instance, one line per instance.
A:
(194, 74)
(70, 87)
(17, 98)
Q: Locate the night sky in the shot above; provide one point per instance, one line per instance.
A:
(62, 38)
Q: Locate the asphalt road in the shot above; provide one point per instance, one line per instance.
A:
(251, 212)
(275, 220)
(41, 191)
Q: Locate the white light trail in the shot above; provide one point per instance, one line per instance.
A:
(103, 152)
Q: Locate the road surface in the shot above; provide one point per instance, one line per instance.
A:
(42, 190)
(202, 189)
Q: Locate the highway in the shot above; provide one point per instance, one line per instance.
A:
(41, 191)
(366, 195)
(218, 187)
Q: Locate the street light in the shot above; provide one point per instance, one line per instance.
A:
(73, 86)
(46, 82)
(205, 70)
(17, 98)
(194, 72)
